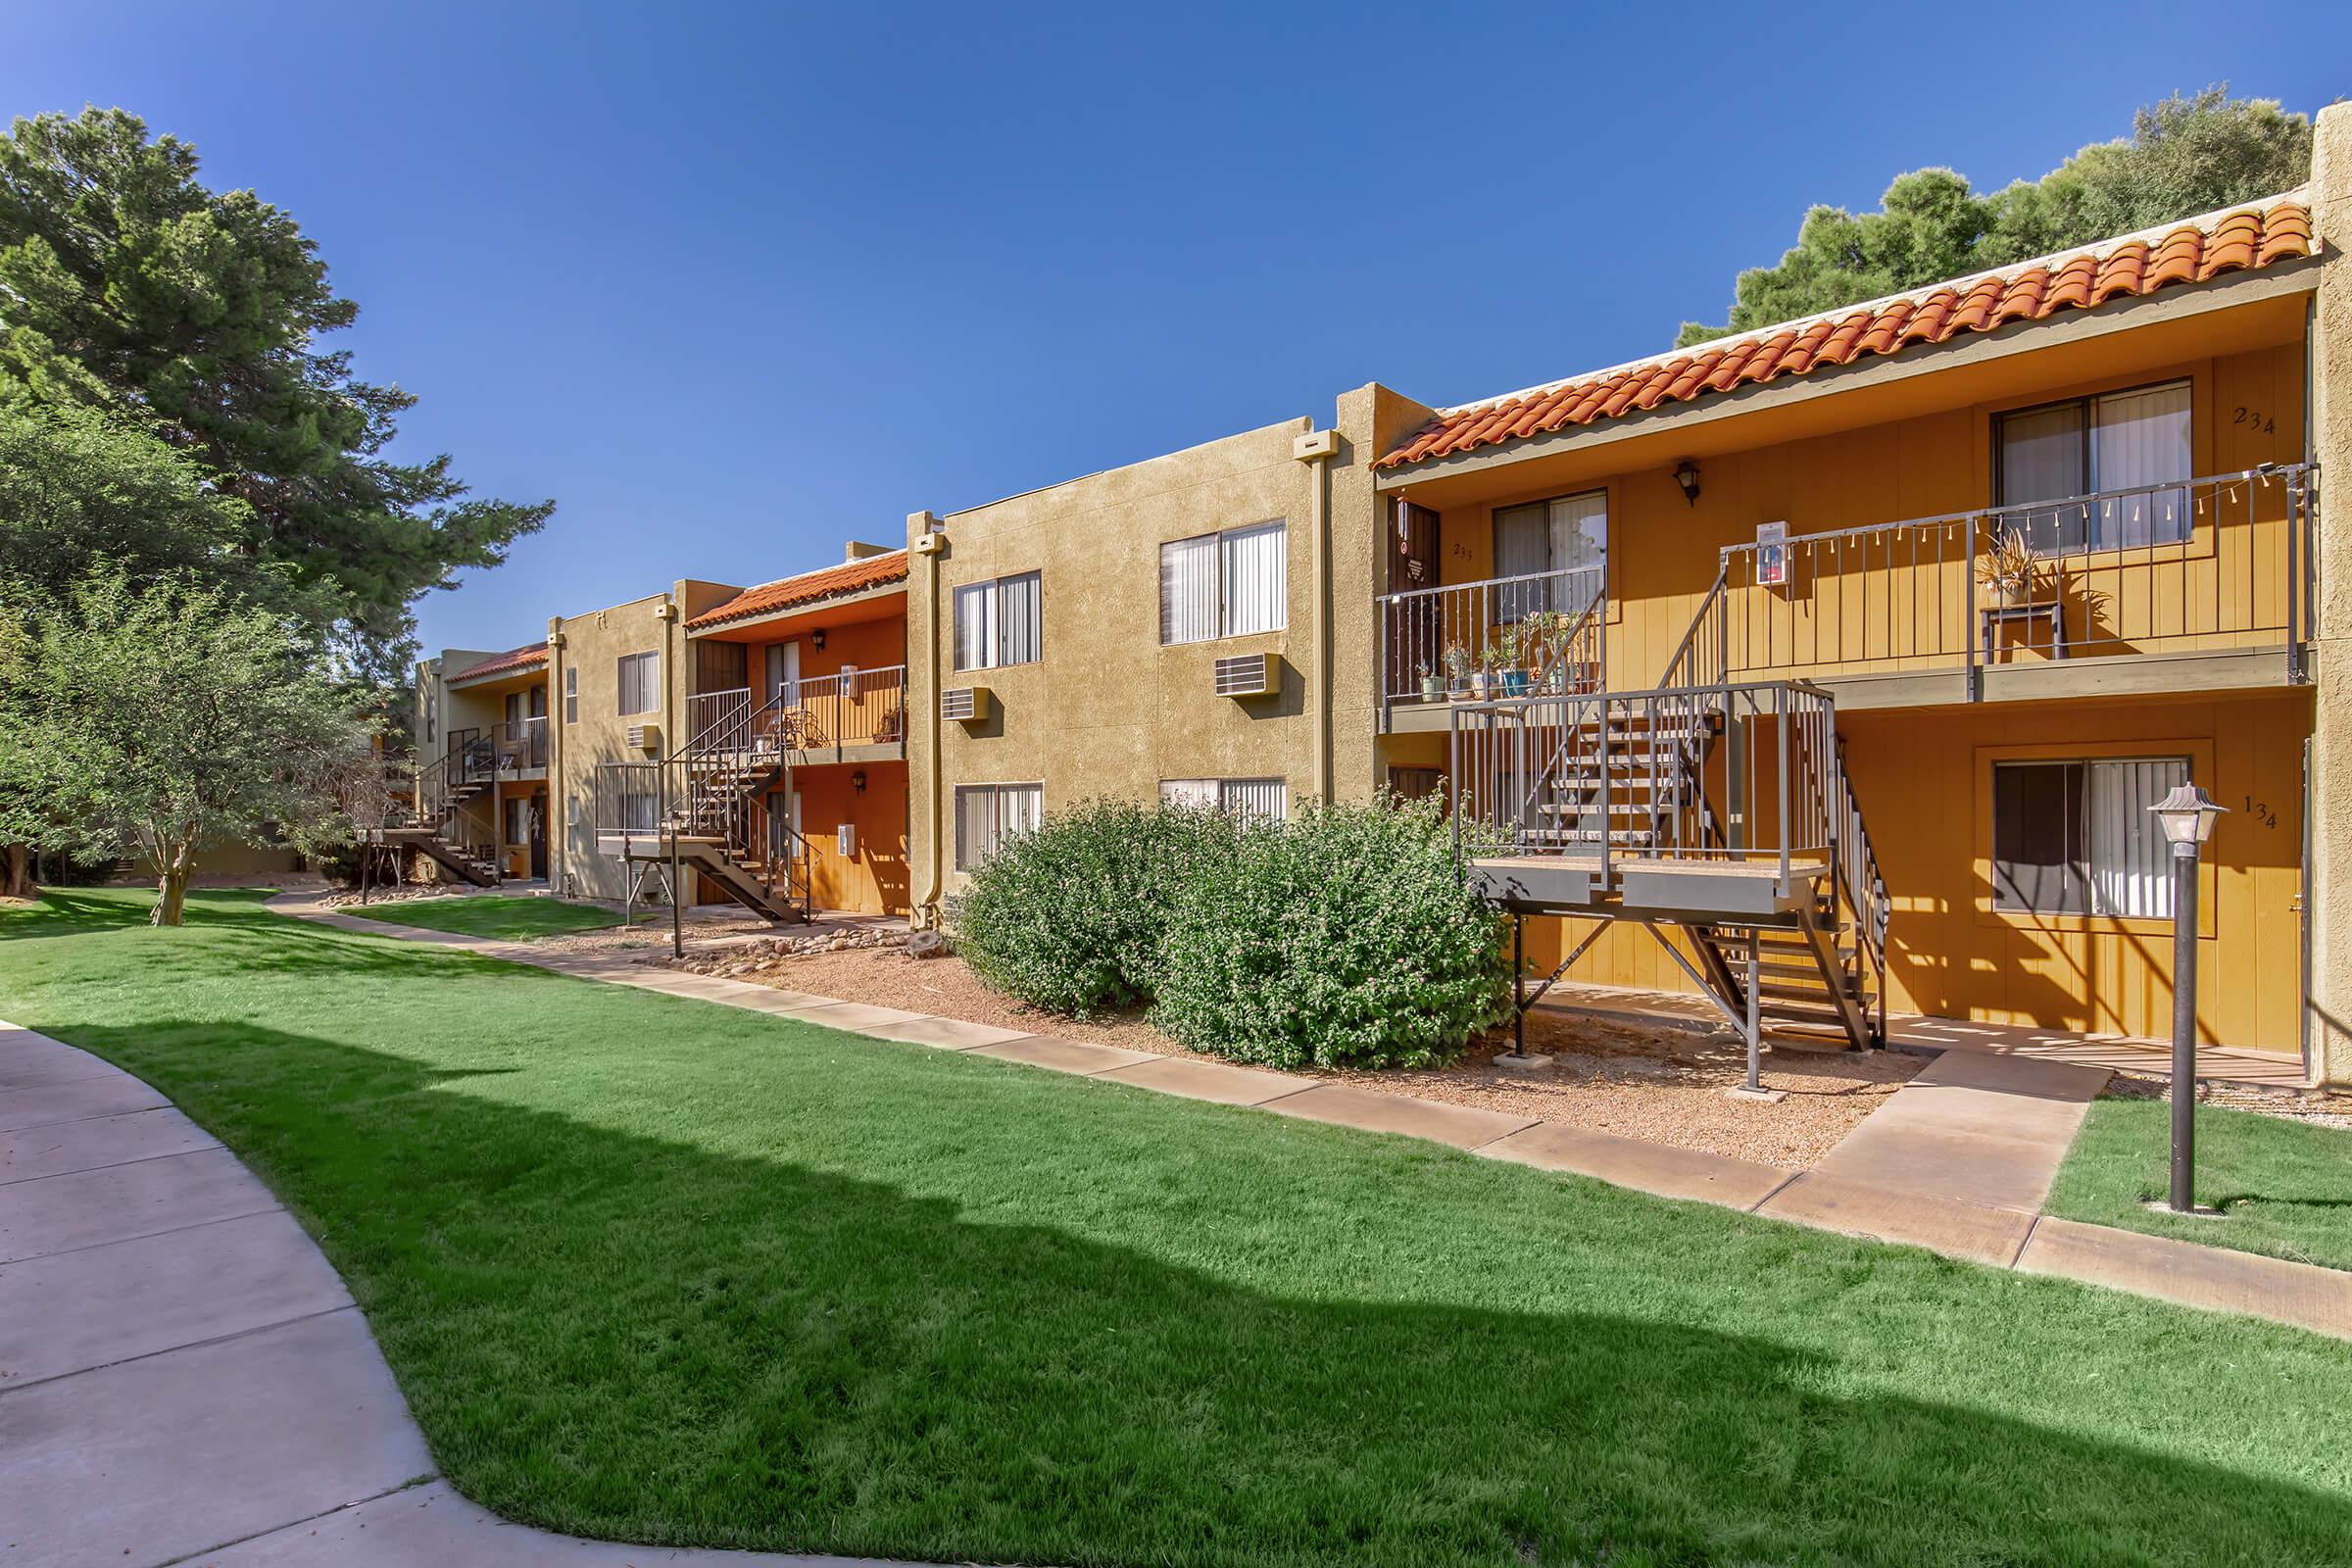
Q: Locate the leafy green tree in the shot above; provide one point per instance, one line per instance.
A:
(125, 283)
(2186, 156)
(166, 715)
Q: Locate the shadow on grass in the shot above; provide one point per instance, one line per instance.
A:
(641, 1338)
(77, 911)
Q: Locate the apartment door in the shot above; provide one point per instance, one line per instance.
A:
(536, 824)
(1414, 635)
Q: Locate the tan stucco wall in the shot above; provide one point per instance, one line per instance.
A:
(593, 644)
(2328, 910)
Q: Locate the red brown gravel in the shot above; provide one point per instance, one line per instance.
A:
(1663, 1084)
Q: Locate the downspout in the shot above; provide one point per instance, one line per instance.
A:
(925, 539)
(1316, 449)
(559, 787)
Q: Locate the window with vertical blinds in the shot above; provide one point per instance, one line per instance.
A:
(1227, 584)
(1263, 798)
(2077, 837)
(2115, 441)
(987, 815)
(640, 683)
(1539, 544)
(1000, 621)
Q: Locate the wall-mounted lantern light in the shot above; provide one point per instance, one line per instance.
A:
(858, 781)
(1685, 474)
(817, 637)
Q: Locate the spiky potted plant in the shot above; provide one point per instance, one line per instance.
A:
(1459, 667)
(2008, 570)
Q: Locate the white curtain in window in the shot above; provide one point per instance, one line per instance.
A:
(975, 825)
(1018, 606)
(976, 626)
(1263, 798)
(1188, 590)
(2140, 438)
(1196, 792)
(2131, 861)
(1023, 809)
(1579, 531)
(1256, 576)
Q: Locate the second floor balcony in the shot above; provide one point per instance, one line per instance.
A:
(2197, 584)
(852, 714)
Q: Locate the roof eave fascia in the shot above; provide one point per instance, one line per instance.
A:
(2126, 312)
(806, 606)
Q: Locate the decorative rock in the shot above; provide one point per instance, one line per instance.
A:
(927, 944)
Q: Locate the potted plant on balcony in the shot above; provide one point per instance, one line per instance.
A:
(1482, 675)
(1510, 656)
(2008, 570)
(1432, 685)
(1459, 667)
(1547, 646)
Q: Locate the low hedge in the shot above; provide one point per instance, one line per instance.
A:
(1341, 938)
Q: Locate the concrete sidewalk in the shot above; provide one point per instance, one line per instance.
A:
(1958, 1162)
(183, 1374)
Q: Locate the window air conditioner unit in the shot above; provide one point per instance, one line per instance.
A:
(645, 736)
(1249, 676)
(966, 703)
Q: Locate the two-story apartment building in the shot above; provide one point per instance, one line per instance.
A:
(749, 742)
(481, 738)
(1923, 601)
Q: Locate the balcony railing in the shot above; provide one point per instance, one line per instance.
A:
(815, 715)
(520, 743)
(2208, 564)
(1543, 631)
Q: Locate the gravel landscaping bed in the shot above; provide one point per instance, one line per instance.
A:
(1663, 1084)
(2321, 1107)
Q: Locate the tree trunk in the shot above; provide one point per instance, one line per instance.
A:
(16, 877)
(172, 892)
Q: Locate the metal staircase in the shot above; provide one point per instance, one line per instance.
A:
(705, 806)
(1717, 807)
(437, 820)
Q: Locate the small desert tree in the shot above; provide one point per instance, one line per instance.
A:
(164, 715)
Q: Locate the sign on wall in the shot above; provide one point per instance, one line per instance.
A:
(1772, 554)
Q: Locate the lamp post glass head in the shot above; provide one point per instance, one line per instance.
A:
(2186, 815)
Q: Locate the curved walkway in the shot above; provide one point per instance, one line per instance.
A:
(183, 1378)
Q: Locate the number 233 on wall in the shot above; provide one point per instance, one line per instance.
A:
(1772, 554)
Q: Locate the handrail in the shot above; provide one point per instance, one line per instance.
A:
(1536, 626)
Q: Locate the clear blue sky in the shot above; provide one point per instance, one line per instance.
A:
(733, 283)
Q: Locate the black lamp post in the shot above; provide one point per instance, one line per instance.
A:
(2187, 815)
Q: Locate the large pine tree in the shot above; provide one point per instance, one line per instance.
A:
(200, 318)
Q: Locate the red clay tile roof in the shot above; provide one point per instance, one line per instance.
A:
(850, 577)
(2193, 251)
(530, 656)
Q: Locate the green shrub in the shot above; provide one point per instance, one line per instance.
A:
(1342, 938)
(1070, 917)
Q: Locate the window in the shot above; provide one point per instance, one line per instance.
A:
(1226, 584)
(640, 682)
(2119, 441)
(2076, 837)
(432, 708)
(1538, 546)
(999, 622)
(637, 809)
(1263, 798)
(571, 694)
(987, 815)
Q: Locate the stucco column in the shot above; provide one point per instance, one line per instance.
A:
(926, 857)
(2327, 899)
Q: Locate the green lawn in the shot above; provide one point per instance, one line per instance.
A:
(661, 1270)
(490, 914)
(2284, 1185)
